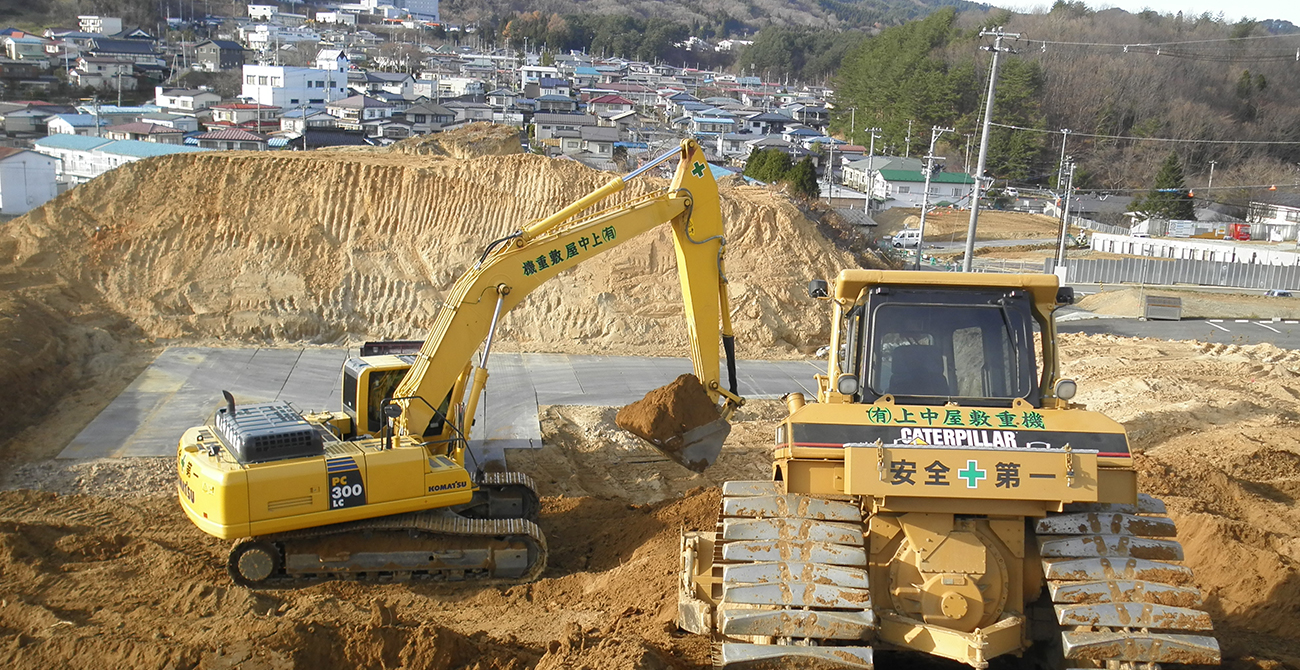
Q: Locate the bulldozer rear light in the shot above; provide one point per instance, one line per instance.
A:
(817, 288)
(847, 384)
(1066, 388)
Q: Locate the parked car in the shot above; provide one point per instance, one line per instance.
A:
(1277, 293)
(910, 237)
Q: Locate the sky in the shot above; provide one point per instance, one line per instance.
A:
(1288, 10)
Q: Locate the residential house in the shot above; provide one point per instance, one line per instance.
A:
(799, 135)
(369, 83)
(332, 59)
(387, 130)
(254, 118)
(140, 52)
(73, 124)
(31, 120)
(104, 72)
(1276, 218)
(351, 112)
(218, 55)
(767, 123)
(816, 116)
(711, 125)
(502, 98)
(187, 101)
(556, 104)
(428, 118)
(83, 158)
(552, 126)
(906, 188)
(25, 47)
(232, 139)
(299, 120)
(598, 140)
(317, 138)
(469, 112)
(13, 73)
(609, 105)
(554, 86)
(283, 86)
(178, 121)
(27, 180)
(732, 146)
(102, 25)
(145, 132)
(859, 174)
(458, 87)
(585, 75)
(533, 74)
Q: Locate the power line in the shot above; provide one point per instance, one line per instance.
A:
(1157, 44)
(1141, 139)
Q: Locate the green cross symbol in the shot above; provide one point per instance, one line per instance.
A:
(698, 169)
(972, 474)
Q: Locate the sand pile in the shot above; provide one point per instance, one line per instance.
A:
(341, 246)
(1196, 304)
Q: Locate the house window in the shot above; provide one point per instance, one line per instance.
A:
(904, 189)
(293, 101)
(261, 81)
(250, 80)
(275, 81)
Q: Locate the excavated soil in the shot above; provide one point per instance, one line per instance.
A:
(951, 225)
(99, 568)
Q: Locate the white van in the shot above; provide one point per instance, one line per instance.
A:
(910, 237)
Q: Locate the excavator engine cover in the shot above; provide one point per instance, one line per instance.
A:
(268, 432)
(680, 421)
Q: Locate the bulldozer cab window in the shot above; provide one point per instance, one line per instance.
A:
(972, 348)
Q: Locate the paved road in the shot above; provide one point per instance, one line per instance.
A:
(1285, 334)
(183, 386)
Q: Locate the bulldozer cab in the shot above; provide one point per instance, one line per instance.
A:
(927, 345)
(938, 338)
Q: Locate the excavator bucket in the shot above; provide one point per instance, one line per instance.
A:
(680, 421)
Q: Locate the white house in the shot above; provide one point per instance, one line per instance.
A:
(84, 158)
(27, 180)
(906, 188)
(184, 100)
(282, 86)
(332, 59)
(532, 74)
(104, 25)
(262, 12)
(340, 18)
(74, 124)
(1277, 219)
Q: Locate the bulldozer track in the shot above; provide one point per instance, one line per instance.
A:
(1118, 588)
(794, 588)
(444, 536)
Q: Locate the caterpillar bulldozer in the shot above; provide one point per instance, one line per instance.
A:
(381, 489)
(943, 495)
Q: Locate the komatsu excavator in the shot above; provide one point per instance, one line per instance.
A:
(380, 490)
(943, 495)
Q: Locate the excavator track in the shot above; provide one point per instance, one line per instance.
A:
(793, 579)
(437, 545)
(1119, 591)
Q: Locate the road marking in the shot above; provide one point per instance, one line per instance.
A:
(1216, 320)
(1220, 327)
(1268, 327)
(1291, 322)
(1243, 320)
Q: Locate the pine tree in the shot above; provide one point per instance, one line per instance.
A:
(768, 165)
(803, 179)
(1169, 199)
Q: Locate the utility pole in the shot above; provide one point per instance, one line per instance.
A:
(1211, 184)
(1065, 214)
(907, 142)
(1060, 173)
(925, 195)
(871, 172)
(997, 50)
(853, 122)
(965, 162)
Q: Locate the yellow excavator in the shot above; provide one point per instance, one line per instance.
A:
(380, 490)
(944, 495)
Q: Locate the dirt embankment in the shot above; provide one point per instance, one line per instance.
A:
(332, 247)
(951, 225)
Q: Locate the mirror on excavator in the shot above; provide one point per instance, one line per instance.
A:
(680, 421)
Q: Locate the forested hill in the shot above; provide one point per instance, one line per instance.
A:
(718, 18)
(1107, 73)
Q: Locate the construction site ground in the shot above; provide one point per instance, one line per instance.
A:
(100, 569)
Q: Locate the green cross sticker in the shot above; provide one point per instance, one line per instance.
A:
(972, 474)
(698, 169)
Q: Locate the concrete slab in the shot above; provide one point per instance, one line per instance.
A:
(183, 387)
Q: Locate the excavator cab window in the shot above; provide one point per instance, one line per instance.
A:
(381, 387)
(970, 347)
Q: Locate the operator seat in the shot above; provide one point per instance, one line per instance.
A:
(917, 369)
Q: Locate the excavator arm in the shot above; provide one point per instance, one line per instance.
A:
(514, 266)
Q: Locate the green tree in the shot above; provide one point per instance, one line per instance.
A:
(803, 179)
(768, 165)
(1169, 199)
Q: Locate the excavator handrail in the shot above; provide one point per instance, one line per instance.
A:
(543, 248)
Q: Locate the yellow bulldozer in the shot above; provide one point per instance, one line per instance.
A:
(943, 495)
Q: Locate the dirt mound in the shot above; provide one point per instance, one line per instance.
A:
(337, 247)
(472, 141)
(1196, 304)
